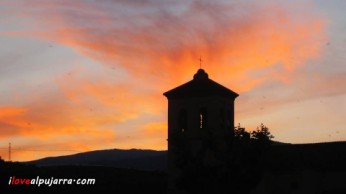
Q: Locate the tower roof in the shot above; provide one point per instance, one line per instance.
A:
(200, 86)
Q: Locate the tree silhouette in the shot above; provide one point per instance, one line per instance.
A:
(262, 134)
(240, 133)
(2, 161)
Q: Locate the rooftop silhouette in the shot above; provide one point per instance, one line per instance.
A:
(201, 85)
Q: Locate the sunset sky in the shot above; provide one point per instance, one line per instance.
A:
(83, 75)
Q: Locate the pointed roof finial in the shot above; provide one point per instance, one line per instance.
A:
(200, 62)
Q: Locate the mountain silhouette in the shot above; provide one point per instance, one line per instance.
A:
(132, 159)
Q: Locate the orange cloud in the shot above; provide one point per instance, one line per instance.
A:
(161, 47)
(49, 122)
(52, 120)
(151, 135)
(8, 115)
(158, 129)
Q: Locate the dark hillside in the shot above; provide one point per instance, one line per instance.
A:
(131, 159)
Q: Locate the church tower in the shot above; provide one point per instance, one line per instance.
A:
(200, 125)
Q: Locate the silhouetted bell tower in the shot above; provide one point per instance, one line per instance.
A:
(200, 125)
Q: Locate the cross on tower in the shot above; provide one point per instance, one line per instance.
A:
(200, 62)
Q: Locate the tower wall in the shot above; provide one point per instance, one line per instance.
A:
(219, 121)
(200, 128)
